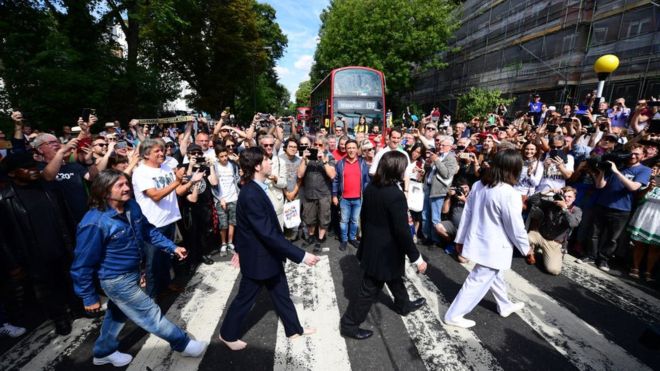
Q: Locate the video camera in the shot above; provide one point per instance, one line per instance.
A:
(601, 163)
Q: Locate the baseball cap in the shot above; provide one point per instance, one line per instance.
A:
(20, 160)
(194, 147)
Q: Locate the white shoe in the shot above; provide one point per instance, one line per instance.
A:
(117, 359)
(514, 308)
(194, 348)
(10, 330)
(460, 322)
(223, 251)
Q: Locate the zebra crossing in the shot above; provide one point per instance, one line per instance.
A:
(584, 319)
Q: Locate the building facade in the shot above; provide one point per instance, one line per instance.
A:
(548, 47)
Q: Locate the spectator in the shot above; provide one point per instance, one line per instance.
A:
(645, 228)
(37, 231)
(317, 174)
(438, 181)
(394, 137)
(428, 133)
(340, 152)
(415, 173)
(535, 108)
(368, 151)
(467, 160)
(554, 217)
(228, 178)
(619, 114)
(277, 179)
(199, 207)
(557, 166)
(156, 186)
(106, 251)
(362, 126)
(291, 161)
(352, 177)
(532, 170)
(332, 142)
(453, 207)
(613, 206)
(66, 134)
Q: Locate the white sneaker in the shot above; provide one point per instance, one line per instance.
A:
(514, 308)
(10, 330)
(230, 246)
(460, 322)
(117, 359)
(223, 250)
(194, 348)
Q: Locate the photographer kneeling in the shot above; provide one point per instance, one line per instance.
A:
(556, 216)
(453, 209)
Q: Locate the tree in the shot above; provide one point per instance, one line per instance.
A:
(479, 102)
(303, 93)
(396, 37)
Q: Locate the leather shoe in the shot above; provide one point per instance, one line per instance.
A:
(360, 334)
(413, 306)
(207, 260)
(63, 327)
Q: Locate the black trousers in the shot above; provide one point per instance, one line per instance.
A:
(608, 226)
(358, 308)
(278, 288)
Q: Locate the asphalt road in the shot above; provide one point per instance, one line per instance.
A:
(582, 319)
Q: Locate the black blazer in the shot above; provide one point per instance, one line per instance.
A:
(386, 237)
(259, 240)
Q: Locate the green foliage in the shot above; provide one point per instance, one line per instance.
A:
(479, 102)
(396, 37)
(303, 93)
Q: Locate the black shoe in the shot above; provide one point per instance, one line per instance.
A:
(360, 334)
(63, 327)
(342, 246)
(207, 260)
(317, 247)
(586, 260)
(354, 243)
(308, 241)
(413, 306)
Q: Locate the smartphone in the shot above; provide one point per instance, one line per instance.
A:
(86, 112)
(75, 129)
(464, 156)
(109, 124)
(313, 153)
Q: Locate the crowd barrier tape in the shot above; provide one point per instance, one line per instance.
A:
(167, 120)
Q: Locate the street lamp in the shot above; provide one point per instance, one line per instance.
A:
(603, 67)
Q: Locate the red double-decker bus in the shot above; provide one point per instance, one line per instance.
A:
(303, 113)
(348, 93)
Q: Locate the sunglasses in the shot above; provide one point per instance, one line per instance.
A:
(267, 145)
(230, 146)
(101, 144)
(318, 144)
(431, 128)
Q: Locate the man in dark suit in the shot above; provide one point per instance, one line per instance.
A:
(263, 250)
(386, 240)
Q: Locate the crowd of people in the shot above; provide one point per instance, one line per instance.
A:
(588, 186)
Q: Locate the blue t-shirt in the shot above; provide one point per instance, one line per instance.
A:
(615, 195)
(535, 106)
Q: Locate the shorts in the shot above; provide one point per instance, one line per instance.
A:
(226, 217)
(449, 227)
(317, 212)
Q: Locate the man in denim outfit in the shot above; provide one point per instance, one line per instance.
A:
(109, 245)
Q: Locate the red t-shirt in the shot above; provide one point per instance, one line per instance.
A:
(352, 180)
(338, 155)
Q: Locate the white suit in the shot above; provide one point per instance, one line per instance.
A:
(491, 225)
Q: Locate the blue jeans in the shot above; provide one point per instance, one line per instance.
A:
(350, 213)
(432, 215)
(128, 301)
(158, 263)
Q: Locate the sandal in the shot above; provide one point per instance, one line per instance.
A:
(648, 277)
(634, 273)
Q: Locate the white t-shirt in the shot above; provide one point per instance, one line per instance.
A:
(226, 182)
(374, 164)
(171, 162)
(165, 211)
(552, 177)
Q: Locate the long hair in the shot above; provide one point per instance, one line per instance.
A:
(390, 169)
(505, 167)
(101, 186)
(414, 147)
(249, 160)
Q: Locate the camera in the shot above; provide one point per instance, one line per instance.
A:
(558, 153)
(601, 163)
(313, 153)
(464, 156)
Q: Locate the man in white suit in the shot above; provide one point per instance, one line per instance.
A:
(491, 225)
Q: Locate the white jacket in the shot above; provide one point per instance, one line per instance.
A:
(491, 225)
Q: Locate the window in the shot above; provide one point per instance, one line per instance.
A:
(637, 27)
(598, 35)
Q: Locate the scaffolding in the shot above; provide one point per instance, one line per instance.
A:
(547, 47)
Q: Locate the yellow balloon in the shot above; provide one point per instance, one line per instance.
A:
(606, 64)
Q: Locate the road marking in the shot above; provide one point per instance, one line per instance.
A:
(313, 293)
(462, 348)
(196, 310)
(613, 289)
(43, 348)
(582, 344)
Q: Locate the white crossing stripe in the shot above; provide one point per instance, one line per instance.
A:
(313, 293)
(43, 348)
(462, 348)
(613, 289)
(582, 344)
(196, 310)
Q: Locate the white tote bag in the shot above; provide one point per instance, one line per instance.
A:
(292, 214)
(415, 196)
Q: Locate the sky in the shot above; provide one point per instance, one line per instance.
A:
(299, 20)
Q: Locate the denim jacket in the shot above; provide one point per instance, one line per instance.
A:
(110, 244)
(338, 181)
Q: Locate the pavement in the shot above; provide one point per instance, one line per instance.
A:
(581, 319)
